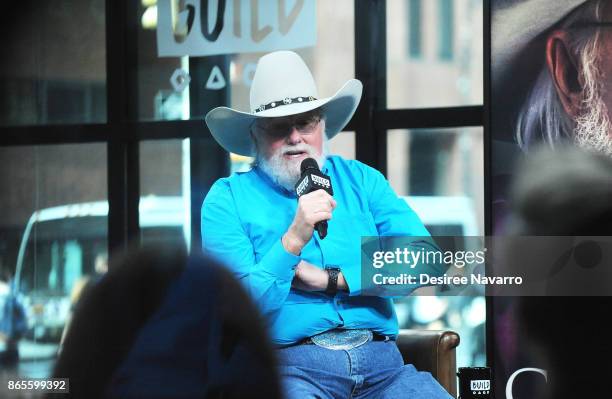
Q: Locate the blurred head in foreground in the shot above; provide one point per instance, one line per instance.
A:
(164, 324)
(567, 192)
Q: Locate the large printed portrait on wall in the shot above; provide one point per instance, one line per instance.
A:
(551, 79)
(551, 86)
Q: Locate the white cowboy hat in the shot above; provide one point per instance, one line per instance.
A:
(516, 25)
(282, 86)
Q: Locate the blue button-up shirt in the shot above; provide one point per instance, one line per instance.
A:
(245, 215)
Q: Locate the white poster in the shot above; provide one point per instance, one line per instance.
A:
(211, 27)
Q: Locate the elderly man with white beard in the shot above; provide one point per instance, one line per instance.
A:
(333, 342)
(567, 46)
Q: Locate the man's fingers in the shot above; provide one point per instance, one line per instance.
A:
(323, 215)
(325, 206)
(320, 193)
(318, 216)
(319, 203)
(315, 207)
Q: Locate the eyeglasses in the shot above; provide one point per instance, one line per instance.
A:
(280, 127)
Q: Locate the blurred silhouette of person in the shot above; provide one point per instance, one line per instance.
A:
(567, 192)
(164, 324)
(13, 321)
(100, 269)
(81, 286)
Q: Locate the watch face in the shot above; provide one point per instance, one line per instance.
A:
(333, 273)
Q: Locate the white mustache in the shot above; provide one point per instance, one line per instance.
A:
(303, 147)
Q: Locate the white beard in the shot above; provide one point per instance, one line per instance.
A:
(286, 172)
(593, 130)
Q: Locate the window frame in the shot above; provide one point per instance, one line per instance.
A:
(122, 134)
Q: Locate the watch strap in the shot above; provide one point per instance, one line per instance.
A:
(332, 280)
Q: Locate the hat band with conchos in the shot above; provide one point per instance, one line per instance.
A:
(286, 101)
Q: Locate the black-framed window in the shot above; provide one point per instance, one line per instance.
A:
(434, 53)
(53, 69)
(130, 108)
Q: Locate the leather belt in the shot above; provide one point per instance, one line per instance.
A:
(340, 339)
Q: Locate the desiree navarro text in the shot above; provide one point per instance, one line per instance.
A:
(425, 279)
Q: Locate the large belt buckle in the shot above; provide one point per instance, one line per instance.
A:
(342, 339)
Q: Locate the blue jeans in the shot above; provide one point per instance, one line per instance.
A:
(373, 370)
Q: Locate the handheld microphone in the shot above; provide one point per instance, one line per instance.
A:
(313, 179)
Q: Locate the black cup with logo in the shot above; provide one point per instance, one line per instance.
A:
(475, 383)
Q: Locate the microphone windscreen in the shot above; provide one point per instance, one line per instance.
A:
(308, 163)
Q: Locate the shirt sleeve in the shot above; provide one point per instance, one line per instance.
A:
(224, 237)
(393, 218)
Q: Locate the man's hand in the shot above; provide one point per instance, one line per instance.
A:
(312, 208)
(308, 277)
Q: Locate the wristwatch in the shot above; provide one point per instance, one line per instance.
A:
(332, 280)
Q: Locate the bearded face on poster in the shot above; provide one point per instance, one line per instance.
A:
(554, 59)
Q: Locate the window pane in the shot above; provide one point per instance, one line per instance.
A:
(200, 83)
(445, 37)
(415, 36)
(165, 213)
(157, 99)
(54, 64)
(440, 172)
(53, 240)
(434, 53)
(343, 144)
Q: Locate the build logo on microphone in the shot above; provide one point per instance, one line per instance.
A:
(320, 181)
(302, 186)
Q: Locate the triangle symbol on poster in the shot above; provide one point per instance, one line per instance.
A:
(215, 81)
